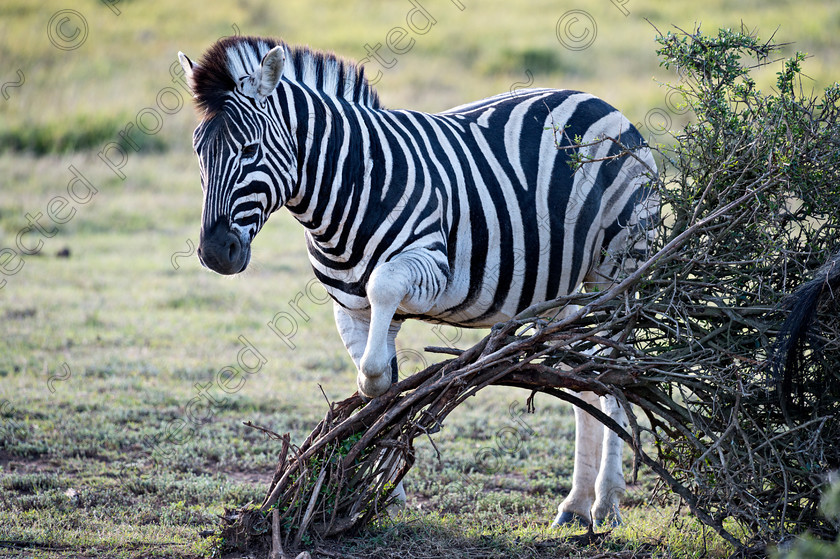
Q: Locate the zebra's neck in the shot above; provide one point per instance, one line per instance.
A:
(335, 157)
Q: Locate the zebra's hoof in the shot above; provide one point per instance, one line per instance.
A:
(398, 501)
(396, 508)
(567, 518)
(607, 516)
(371, 387)
(612, 520)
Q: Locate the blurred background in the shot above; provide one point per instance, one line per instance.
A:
(108, 323)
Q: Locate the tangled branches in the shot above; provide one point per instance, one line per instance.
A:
(750, 209)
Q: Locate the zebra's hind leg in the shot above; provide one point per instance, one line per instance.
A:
(609, 485)
(589, 435)
(598, 480)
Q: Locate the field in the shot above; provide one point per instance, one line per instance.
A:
(113, 334)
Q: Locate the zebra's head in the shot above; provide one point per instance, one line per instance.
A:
(245, 149)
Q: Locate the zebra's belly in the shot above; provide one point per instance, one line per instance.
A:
(479, 308)
(465, 321)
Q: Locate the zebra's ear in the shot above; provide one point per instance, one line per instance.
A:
(270, 71)
(189, 67)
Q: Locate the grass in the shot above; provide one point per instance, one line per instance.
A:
(107, 330)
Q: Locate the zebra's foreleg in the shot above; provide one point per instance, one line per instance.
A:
(353, 327)
(412, 281)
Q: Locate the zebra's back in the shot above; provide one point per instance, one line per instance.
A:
(494, 188)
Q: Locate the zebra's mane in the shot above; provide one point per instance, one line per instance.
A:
(231, 58)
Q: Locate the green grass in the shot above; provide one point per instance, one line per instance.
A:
(77, 133)
(78, 474)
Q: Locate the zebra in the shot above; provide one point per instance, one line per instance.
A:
(407, 213)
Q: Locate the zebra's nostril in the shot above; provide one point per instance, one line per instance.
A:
(233, 251)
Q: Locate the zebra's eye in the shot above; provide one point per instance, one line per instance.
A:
(249, 151)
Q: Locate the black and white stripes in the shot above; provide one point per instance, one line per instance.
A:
(483, 185)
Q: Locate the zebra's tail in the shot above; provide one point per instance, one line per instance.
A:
(788, 357)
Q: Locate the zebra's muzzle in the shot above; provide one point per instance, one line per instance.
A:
(222, 250)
